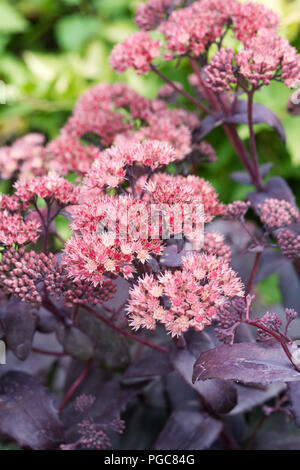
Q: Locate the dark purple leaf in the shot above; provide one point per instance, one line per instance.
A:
(188, 430)
(18, 321)
(150, 365)
(261, 115)
(217, 395)
(251, 397)
(78, 344)
(243, 177)
(271, 262)
(207, 125)
(110, 347)
(289, 286)
(171, 258)
(256, 363)
(27, 414)
(294, 395)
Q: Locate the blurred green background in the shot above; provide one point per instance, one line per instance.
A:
(51, 51)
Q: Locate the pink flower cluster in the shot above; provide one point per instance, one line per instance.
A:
(275, 213)
(150, 14)
(110, 168)
(183, 299)
(266, 57)
(137, 51)
(95, 251)
(27, 274)
(191, 29)
(66, 153)
(15, 230)
(250, 17)
(164, 189)
(25, 157)
(98, 112)
(47, 187)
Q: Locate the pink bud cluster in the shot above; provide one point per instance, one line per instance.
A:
(237, 210)
(271, 321)
(150, 14)
(84, 402)
(137, 51)
(229, 316)
(214, 244)
(219, 74)
(47, 187)
(183, 299)
(289, 243)
(15, 230)
(27, 275)
(275, 213)
(25, 157)
(206, 151)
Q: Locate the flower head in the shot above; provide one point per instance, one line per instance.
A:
(183, 299)
(137, 51)
(47, 187)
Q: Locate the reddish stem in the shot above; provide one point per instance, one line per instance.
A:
(252, 138)
(49, 353)
(253, 274)
(189, 97)
(229, 129)
(124, 332)
(75, 385)
(278, 336)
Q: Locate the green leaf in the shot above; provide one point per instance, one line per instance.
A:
(74, 31)
(10, 19)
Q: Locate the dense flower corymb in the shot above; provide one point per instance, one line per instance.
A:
(14, 229)
(183, 299)
(150, 14)
(137, 51)
(47, 187)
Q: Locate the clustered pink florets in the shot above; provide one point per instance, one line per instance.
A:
(150, 14)
(47, 187)
(137, 51)
(25, 157)
(189, 30)
(275, 213)
(266, 56)
(66, 153)
(15, 230)
(110, 168)
(183, 299)
(169, 189)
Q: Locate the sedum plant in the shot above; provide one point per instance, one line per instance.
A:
(148, 310)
